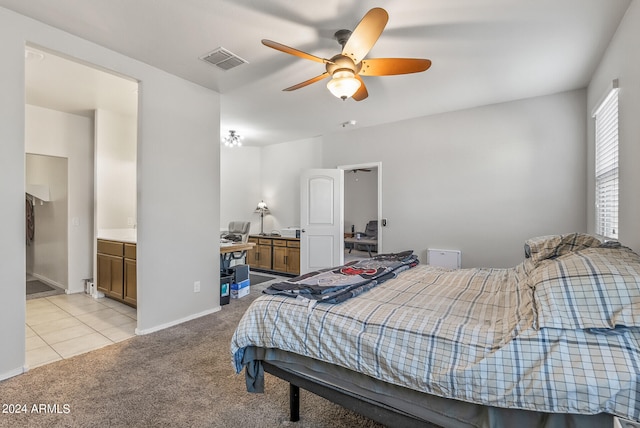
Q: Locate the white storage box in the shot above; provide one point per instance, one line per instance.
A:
(451, 259)
(290, 232)
(240, 289)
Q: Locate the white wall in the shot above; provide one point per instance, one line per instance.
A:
(481, 180)
(360, 199)
(55, 133)
(240, 185)
(178, 169)
(115, 163)
(621, 61)
(281, 168)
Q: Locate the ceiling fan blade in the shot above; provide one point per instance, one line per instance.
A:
(362, 92)
(365, 34)
(391, 66)
(307, 82)
(291, 51)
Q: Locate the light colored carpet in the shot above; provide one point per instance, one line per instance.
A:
(178, 377)
(259, 279)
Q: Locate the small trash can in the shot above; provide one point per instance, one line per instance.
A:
(225, 288)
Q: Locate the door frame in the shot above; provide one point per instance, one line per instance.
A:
(377, 165)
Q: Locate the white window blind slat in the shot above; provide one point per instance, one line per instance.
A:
(606, 168)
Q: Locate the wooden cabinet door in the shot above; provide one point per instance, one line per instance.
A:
(293, 260)
(252, 254)
(286, 259)
(259, 256)
(264, 256)
(280, 259)
(110, 275)
(130, 282)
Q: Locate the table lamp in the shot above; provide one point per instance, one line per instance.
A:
(262, 209)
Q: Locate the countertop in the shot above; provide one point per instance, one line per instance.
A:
(121, 235)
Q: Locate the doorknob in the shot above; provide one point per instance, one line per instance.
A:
(302, 230)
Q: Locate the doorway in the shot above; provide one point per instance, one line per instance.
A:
(46, 235)
(70, 107)
(362, 205)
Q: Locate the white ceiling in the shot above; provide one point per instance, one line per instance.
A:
(483, 52)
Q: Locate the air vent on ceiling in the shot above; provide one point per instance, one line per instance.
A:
(223, 59)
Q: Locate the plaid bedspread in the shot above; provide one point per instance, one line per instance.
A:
(467, 334)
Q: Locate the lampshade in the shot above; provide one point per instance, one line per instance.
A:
(262, 207)
(344, 84)
(233, 139)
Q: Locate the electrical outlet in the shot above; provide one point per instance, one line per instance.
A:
(196, 287)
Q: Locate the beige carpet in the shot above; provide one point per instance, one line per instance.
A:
(178, 377)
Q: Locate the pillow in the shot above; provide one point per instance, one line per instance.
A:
(594, 288)
(552, 246)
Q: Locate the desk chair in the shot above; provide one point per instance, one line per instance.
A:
(238, 232)
(371, 233)
(237, 229)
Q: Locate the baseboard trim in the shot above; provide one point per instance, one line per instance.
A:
(49, 281)
(141, 332)
(13, 373)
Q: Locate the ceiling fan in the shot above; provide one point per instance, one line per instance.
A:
(347, 67)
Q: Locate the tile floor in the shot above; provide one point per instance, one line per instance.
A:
(65, 325)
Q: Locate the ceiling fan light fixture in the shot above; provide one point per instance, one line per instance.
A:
(343, 84)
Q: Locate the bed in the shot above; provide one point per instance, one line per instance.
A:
(551, 342)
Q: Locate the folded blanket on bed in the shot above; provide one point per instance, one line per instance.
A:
(335, 285)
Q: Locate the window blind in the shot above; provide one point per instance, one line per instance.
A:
(606, 168)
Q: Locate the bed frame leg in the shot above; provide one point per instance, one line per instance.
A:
(294, 402)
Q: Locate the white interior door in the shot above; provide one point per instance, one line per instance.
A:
(321, 219)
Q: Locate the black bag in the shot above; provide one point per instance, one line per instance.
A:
(233, 237)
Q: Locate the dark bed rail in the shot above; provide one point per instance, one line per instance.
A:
(379, 412)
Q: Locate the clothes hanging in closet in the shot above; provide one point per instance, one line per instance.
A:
(30, 220)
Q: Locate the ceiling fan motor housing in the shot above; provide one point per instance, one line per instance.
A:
(342, 63)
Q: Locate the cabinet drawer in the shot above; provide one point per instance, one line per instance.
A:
(254, 240)
(293, 244)
(279, 243)
(262, 241)
(130, 251)
(111, 247)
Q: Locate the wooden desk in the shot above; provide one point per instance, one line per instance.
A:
(233, 251)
